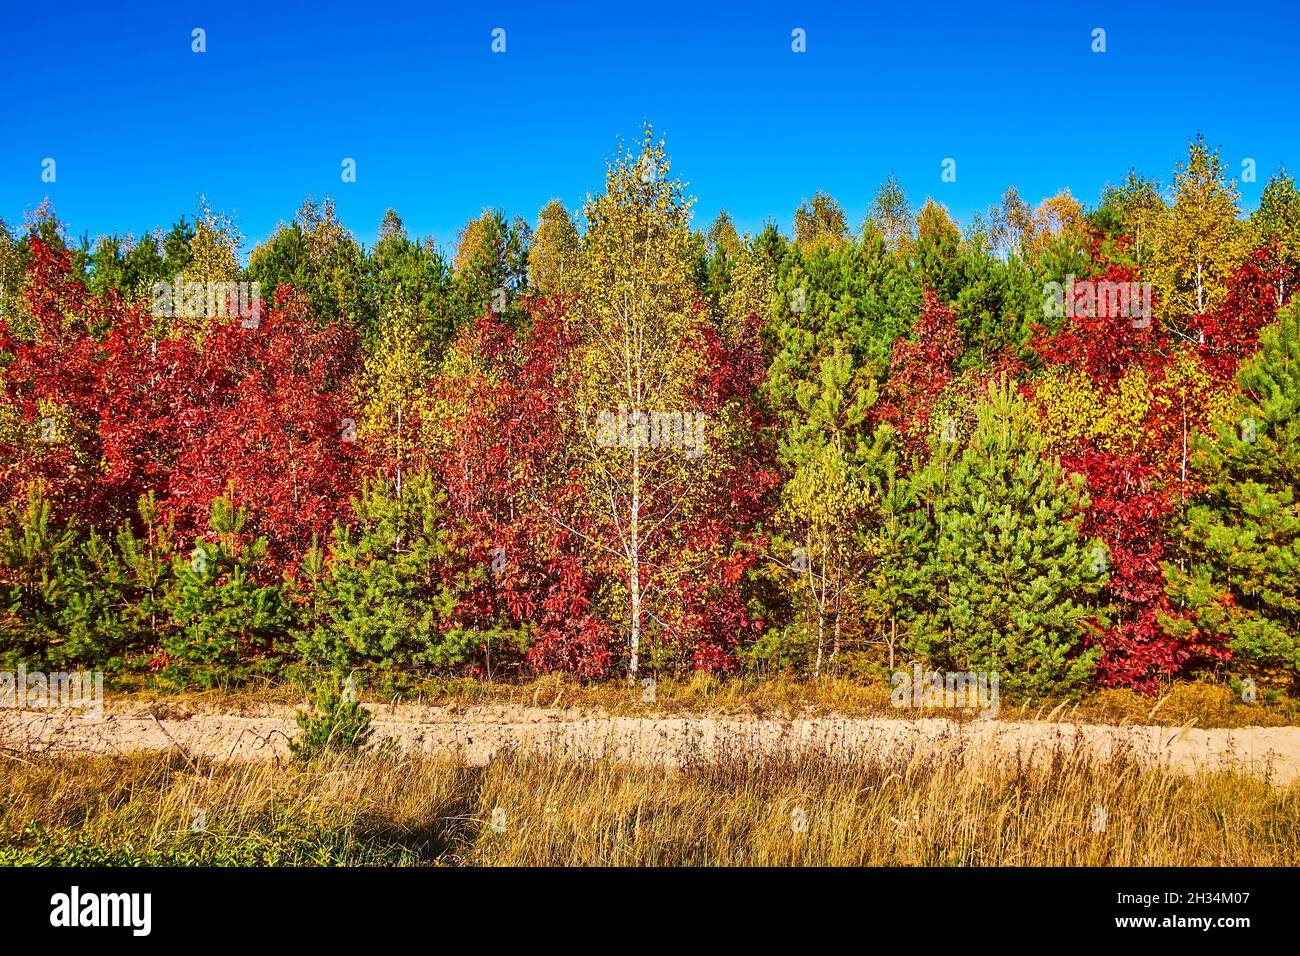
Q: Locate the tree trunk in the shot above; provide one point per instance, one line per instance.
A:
(635, 582)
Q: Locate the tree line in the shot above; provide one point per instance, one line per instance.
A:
(1057, 442)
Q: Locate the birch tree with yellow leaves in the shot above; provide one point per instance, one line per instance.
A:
(393, 397)
(642, 466)
(1200, 241)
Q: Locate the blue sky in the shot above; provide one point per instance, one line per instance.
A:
(440, 127)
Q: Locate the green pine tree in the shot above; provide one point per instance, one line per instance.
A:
(93, 596)
(833, 457)
(892, 550)
(226, 618)
(387, 595)
(148, 571)
(1241, 536)
(111, 613)
(36, 571)
(1008, 577)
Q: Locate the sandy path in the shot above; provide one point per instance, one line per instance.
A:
(475, 734)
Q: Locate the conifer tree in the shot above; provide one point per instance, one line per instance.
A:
(93, 630)
(1008, 577)
(148, 573)
(226, 619)
(389, 592)
(891, 549)
(1242, 533)
(36, 558)
(827, 495)
(72, 597)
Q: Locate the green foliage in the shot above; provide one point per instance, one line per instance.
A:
(131, 265)
(145, 568)
(336, 723)
(387, 594)
(74, 599)
(317, 255)
(410, 276)
(826, 496)
(1007, 579)
(94, 590)
(998, 304)
(970, 562)
(36, 562)
(1133, 209)
(226, 619)
(115, 606)
(490, 267)
(791, 648)
(1242, 534)
(288, 841)
(891, 549)
(851, 295)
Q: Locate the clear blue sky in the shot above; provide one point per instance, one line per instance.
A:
(441, 127)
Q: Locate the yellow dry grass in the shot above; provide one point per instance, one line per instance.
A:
(932, 804)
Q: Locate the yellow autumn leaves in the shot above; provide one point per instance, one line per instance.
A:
(1142, 413)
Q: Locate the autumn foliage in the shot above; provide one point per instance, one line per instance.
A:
(649, 451)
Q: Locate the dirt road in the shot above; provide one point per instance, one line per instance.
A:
(475, 734)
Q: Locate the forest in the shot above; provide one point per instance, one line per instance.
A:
(1059, 442)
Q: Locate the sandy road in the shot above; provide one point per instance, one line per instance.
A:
(475, 734)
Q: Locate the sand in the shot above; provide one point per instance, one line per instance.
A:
(476, 734)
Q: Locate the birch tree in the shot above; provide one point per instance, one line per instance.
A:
(1200, 241)
(638, 443)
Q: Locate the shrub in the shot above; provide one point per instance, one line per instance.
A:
(336, 723)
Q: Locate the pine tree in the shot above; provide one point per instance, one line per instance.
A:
(111, 595)
(491, 266)
(827, 495)
(226, 618)
(65, 592)
(892, 550)
(389, 592)
(94, 593)
(1008, 577)
(1242, 534)
(148, 574)
(36, 561)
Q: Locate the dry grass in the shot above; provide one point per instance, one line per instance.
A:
(144, 808)
(928, 805)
